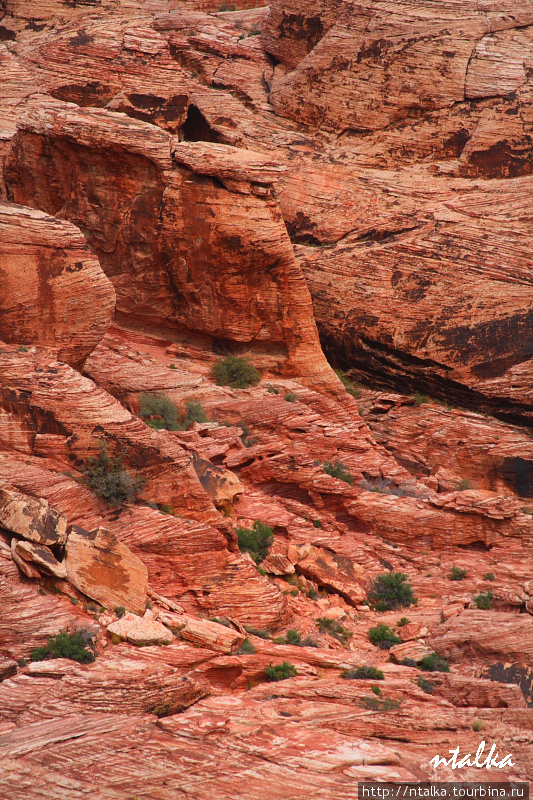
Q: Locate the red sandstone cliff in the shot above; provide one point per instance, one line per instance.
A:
(227, 175)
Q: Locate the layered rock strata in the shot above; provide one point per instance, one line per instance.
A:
(54, 292)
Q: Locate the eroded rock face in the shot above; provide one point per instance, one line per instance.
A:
(177, 222)
(485, 637)
(181, 177)
(53, 290)
(357, 50)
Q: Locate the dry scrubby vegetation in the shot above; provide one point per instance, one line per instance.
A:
(280, 672)
(256, 540)
(364, 673)
(106, 477)
(338, 470)
(67, 645)
(376, 704)
(391, 591)
(458, 574)
(483, 601)
(159, 411)
(235, 371)
(334, 628)
(383, 637)
(350, 386)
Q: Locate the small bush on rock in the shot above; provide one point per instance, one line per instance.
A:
(391, 591)
(234, 371)
(107, 478)
(483, 601)
(67, 645)
(433, 663)
(375, 704)
(259, 632)
(427, 686)
(338, 470)
(281, 672)
(158, 411)
(246, 648)
(334, 628)
(257, 540)
(383, 637)
(458, 574)
(363, 673)
(294, 637)
(349, 385)
(194, 412)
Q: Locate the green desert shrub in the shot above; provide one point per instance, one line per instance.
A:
(246, 648)
(383, 637)
(256, 540)
(107, 478)
(458, 574)
(280, 672)
(246, 439)
(427, 686)
(234, 371)
(483, 601)
(349, 385)
(294, 637)
(259, 632)
(463, 485)
(433, 663)
(338, 470)
(158, 411)
(489, 576)
(194, 412)
(334, 628)
(363, 673)
(391, 591)
(291, 397)
(402, 622)
(420, 398)
(376, 704)
(67, 645)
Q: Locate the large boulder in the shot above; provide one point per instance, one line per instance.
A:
(31, 517)
(105, 569)
(140, 630)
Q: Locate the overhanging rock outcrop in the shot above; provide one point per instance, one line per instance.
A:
(186, 250)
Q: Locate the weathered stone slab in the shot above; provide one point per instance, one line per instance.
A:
(31, 518)
(27, 569)
(140, 630)
(40, 556)
(105, 569)
(203, 632)
(335, 572)
(221, 484)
